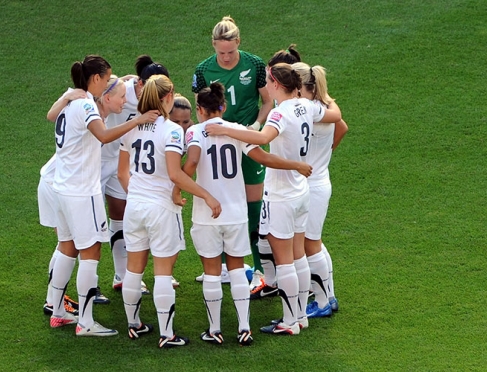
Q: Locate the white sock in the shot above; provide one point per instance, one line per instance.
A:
(267, 261)
(331, 287)
(304, 281)
(61, 273)
(240, 289)
(51, 266)
(117, 243)
(164, 299)
(213, 295)
(287, 281)
(86, 281)
(319, 278)
(132, 297)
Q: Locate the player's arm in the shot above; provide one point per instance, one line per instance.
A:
(266, 135)
(341, 128)
(192, 160)
(189, 167)
(63, 101)
(184, 182)
(276, 162)
(267, 105)
(123, 173)
(106, 135)
(332, 113)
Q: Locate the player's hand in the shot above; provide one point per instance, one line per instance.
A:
(305, 169)
(214, 205)
(215, 129)
(177, 197)
(75, 94)
(149, 117)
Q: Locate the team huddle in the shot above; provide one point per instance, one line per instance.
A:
(120, 142)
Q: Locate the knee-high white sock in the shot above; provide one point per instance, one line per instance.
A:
(319, 278)
(132, 297)
(164, 299)
(117, 243)
(304, 281)
(287, 281)
(61, 273)
(213, 296)
(241, 297)
(51, 266)
(331, 286)
(86, 281)
(267, 262)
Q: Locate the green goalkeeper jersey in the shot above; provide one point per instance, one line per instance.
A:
(242, 84)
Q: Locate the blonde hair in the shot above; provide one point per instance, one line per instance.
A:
(155, 89)
(314, 81)
(226, 30)
(112, 85)
(182, 102)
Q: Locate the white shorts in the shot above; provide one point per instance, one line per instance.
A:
(47, 201)
(82, 219)
(110, 185)
(319, 199)
(211, 240)
(284, 219)
(151, 226)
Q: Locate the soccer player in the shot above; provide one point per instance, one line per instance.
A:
(181, 112)
(80, 216)
(115, 196)
(286, 195)
(149, 167)
(268, 287)
(216, 161)
(243, 76)
(324, 141)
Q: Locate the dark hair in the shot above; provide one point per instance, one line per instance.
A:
(91, 65)
(146, 67)
(285, 76)
(289, 56)
(212, 98)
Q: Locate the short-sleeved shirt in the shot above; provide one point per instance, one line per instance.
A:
(220, 173)
(242, 84)
(147, 145)
(78, 151)
(294, 120)
(110, 151)
(320, 150)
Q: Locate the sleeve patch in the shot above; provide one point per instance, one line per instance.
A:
(276, 116)
(175, 137)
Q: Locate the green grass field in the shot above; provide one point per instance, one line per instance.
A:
(405, 225)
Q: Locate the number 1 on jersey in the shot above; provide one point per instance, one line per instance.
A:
(233, 100)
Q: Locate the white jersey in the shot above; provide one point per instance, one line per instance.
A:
(48, 170)
(78, 151)
(219, 171)
(110, 151)
(293, 119)
(147, 145)
(320, 150)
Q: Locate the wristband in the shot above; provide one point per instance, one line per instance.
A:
(255, 126)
